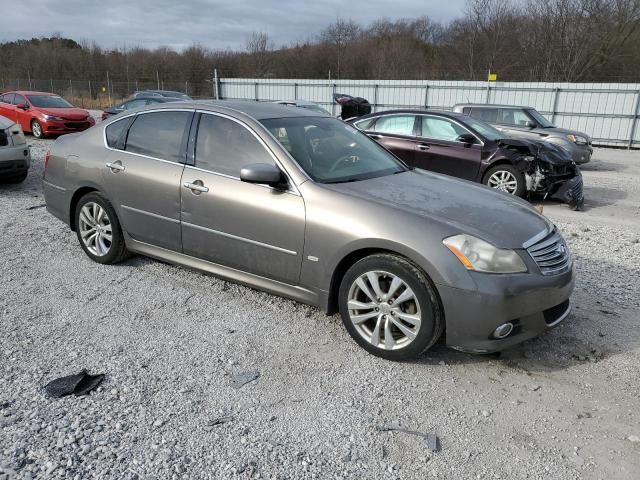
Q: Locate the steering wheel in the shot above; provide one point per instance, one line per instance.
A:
(344, 159)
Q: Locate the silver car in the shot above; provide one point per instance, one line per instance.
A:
(308, 207)
(527, 122)
(15, 154)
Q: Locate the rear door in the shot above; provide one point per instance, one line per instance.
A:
(143, 171)
(22, 117)
(439, 150)
(396, 132)
(253, 228)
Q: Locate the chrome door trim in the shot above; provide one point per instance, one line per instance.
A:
(256, 281)
(56, 187)
(151, 214)
(242, 239)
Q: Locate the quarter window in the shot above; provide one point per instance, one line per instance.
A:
(396, 124)
(159, 135)
(114, 132)
(439, 128)
(224, 146)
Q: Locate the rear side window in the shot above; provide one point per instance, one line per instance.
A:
(441, 129)
(159, 135)
(114, 133)
(224, 146)
(7, 98)
(396, 124)
(489, 115)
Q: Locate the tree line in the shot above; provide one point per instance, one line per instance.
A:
(520, 40)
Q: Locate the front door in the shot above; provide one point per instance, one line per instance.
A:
(142, 176)
(253, 228)
(439, 150)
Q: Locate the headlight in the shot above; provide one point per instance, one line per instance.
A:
(481, 256)
(51, 117)
(577, 139)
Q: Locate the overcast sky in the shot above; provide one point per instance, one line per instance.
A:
(212, 23)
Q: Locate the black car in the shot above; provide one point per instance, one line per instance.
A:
(135, 103)
(464, 147)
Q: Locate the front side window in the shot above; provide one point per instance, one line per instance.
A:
(330, 151)
(48, 101)
(538, 117)
(439, 128)
(225, 146)
(19, 100)
(396, 124)
(160, 135)
(512, 116)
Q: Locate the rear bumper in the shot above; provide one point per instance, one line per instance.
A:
(533, 303)
(14, 161)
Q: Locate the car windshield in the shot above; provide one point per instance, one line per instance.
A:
(48, 101)
(331, 151)
(538, 117)
(484, 129)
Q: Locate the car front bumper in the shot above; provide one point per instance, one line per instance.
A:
(532, 303)
(55, 127)
(14, 161)
(581, 153)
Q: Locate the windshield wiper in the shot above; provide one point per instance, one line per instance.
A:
(344, 181)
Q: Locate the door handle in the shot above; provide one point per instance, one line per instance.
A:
(116, 166)
(194, 187)
(423, 146)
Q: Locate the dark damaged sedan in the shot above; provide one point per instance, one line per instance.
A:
(467, 148)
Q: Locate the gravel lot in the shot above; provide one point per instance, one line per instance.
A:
(170, 340)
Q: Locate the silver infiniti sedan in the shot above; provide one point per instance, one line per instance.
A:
(308, 207)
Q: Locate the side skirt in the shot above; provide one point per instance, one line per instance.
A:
(254, 281)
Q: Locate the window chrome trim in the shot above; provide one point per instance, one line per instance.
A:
(151, 214)
(292, 187)
(242, 239)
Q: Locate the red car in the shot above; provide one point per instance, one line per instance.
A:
(44, 114)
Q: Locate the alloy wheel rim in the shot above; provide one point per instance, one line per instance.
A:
(95, 229)
(37, 131)
(504, 181)
(384, 310)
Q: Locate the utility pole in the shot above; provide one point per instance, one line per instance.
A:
(158, 79)
(216, 91)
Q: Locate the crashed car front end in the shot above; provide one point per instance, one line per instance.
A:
(549, 170)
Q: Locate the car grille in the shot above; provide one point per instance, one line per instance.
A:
(76, 124)
(551, 254)
(553, 314)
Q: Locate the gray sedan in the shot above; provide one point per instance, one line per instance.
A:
(308, 207)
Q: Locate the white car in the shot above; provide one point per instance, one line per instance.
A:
(15, 154)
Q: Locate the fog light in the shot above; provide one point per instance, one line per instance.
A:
(503, 330)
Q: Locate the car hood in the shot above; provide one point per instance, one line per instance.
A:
(545, 151)
(497, 217)
(66, 113)
(562, 131)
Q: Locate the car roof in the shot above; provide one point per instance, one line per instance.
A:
(29, 92)
(257, 110)
(294, 102)
(414, 111)
(489, 105)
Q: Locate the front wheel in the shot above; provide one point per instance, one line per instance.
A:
(36, 129)
(506, 179)
(98, 229)
(390, 307)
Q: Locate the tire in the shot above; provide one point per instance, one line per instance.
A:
(36, 129)
(501, 177)
(97, 246)
(422, 303)
(18, 179)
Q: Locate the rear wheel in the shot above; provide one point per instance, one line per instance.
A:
(19, 178)
(98, 229)
(36, 129)
(506, 179)
(390, 307)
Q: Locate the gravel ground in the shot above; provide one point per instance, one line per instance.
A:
(171, 341)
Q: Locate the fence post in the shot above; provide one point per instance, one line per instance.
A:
(375, 97)
(216, 84)
(555, 105)
(333, 102)
(426, 96)
(255, 88)
(186, 87)
(488, 92)
(70, 87)
(108, 89)
(295, 91)
(90, 96)
(634, 121)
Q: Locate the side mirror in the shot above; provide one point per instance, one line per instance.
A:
(22, 106)
(530, 124)
(265, 173)
(466, 138)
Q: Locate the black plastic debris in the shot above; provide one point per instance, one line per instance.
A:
(241, 379)
(34, 207)
(352, 106)
(220, 421)
(79, 384)
(431, 440)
